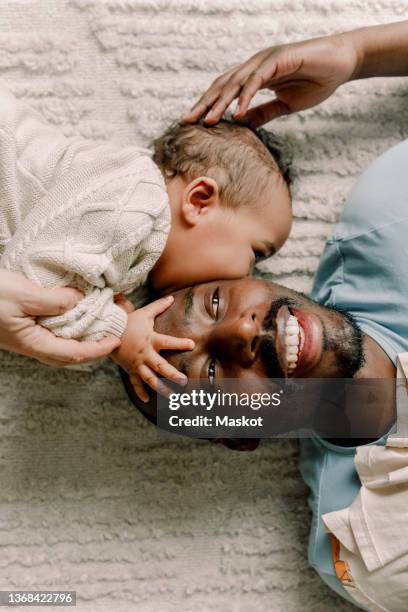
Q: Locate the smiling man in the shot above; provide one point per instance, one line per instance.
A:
(255, 328)
(251, 329)
(355, 326)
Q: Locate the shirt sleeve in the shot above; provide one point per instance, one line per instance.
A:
(363, 266)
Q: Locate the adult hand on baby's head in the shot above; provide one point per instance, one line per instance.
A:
(300, 74)
(21, 301)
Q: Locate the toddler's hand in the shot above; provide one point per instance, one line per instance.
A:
(139, 352)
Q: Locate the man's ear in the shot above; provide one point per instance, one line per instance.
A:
(200, 197)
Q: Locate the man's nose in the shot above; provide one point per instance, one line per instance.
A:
(239, 339)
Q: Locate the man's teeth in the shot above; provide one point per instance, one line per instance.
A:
(293, 342)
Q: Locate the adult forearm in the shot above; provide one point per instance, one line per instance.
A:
(381, 50)
(305, 73)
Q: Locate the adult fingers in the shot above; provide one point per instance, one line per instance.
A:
(228, 95)
(251, 87)
(60, 350)
(163, 342)
(259, 115)
(202, 106)
(40, 301)
(209, 97)
(230, 90)
(276, 68)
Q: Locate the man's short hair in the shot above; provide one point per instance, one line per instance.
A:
(241, 159)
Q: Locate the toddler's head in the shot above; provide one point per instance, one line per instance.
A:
(228, 187)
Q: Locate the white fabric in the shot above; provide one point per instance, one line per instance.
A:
(76, 213)
(373, 531)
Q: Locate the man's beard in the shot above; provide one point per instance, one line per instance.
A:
(346, 342)
(344, 339)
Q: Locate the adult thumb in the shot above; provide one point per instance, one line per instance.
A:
(46, 302)
(258, 115)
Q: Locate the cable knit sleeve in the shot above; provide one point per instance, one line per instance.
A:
(93, 318)
(100, 228)
(107, 252)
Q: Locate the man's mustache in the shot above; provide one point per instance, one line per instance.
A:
(269, 357)
(267, 347)
(269, 322)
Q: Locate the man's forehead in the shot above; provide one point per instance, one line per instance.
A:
(188, 305)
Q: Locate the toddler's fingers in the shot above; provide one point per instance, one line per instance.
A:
(163, 342)
(124, 303)
(153, 381)
(159, 306)
(138, 387)
(160, 365)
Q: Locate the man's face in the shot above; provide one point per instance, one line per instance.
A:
(245, 329)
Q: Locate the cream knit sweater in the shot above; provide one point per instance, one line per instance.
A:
(76, 213)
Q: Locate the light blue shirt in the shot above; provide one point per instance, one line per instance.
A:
(363, 270)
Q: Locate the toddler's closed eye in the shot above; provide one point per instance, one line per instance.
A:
(259, 256)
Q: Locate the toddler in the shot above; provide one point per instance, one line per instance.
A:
(107, 219)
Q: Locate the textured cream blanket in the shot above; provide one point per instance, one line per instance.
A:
(92, 498)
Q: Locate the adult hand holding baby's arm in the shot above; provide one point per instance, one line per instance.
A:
(304, 74)
(21, 301)
(139, 352)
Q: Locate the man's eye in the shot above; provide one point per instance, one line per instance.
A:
(211, 372)
(215, 303)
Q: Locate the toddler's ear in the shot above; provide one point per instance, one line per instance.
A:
(200, 196)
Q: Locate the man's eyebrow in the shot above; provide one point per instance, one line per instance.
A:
(189, 305)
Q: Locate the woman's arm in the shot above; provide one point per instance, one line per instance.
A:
(21, 301)
(381, 50)
(303, 74)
